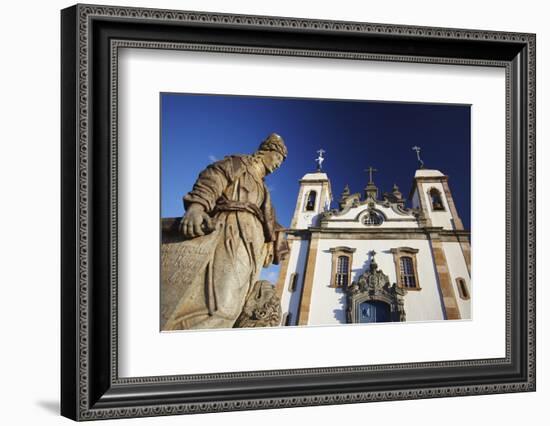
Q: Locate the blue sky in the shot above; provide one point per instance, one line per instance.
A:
(199, 129)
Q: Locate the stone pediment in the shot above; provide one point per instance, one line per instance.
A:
(354, 207)
(369, 213)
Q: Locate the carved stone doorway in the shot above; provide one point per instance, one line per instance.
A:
(372, 299)
(374, 311)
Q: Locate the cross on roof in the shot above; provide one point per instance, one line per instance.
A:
(418, 149)
(319, 160)
(371, 170)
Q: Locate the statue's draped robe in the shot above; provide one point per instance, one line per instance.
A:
(222, 266)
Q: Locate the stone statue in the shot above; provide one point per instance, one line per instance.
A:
(262, 307)
(229, 232)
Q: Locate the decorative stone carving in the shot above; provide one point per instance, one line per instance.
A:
(211, 266)
(372, 218)
(374, 285)
(262, 307)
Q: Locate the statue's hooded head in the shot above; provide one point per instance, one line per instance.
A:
(272, 152)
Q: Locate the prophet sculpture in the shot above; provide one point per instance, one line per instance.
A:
(211, 269)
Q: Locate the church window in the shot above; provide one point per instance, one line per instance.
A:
(372, 218)
(406, 267)
(341, 266)
(435, 198)
(293, 282)
(407, 272)
(463, 290)
(310, 201)
(342, 271)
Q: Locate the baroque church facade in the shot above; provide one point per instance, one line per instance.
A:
(373, 259)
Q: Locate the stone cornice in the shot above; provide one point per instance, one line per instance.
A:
(445, 235)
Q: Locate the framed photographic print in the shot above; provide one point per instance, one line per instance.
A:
(263, 212)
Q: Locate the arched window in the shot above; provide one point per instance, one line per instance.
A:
(342, 271)
(310, 200)
(463, 290)
(407, 275)
(435, 197)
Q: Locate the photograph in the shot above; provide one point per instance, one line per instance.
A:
(285, 212)
(263, 209)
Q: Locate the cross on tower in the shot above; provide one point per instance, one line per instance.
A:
(371, 170)
(319, 160)
(418, 149)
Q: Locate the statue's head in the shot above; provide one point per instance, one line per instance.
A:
(272, 151)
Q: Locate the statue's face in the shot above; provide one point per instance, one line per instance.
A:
(272, 160)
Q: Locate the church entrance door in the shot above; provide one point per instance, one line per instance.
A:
(374, 311)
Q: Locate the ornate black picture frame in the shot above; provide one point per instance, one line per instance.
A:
(91, 387)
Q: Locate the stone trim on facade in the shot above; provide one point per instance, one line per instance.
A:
(457, 222)
(445, 235)
(444, 277)
(398, 253)
(466, 252)
(307, 286)
(325, 194)
(336, 253)
(283, 272)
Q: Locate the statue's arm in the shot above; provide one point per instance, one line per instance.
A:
(201, 200)
(210, 185)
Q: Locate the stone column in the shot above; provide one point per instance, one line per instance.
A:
(283, 272)
(466, 251)
(445, 282)
(454, 213)
(307, 287)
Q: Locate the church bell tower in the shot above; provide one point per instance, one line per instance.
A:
(314, 197)
(431, 195)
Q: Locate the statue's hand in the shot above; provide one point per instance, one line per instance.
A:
(195, 222)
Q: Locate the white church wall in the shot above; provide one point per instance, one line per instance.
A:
(458, 269)
(439, 218)
(328, 304)
(290, 300)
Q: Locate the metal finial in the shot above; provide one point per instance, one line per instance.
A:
(319, 160)
(418, 149)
